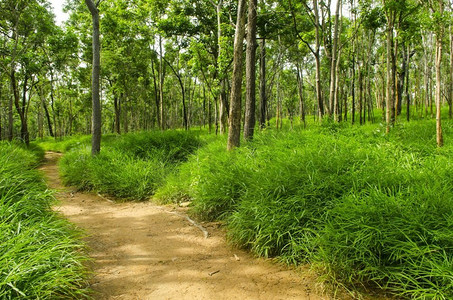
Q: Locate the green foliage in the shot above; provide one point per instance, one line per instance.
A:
(40, 256)
(131, 166)
(365, 207)
(63, 145)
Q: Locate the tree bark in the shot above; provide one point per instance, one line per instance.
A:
(439, 36)
(263, 100)
(161, 87)
(250, 106)
(390, 103)
(46, 111)
(234, 130)
(450, 76)
(95, 87)
(300, 85)
(117, 106)
(333, 66)
(318, 60)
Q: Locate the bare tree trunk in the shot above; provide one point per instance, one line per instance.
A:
(96, 127)
(234, 130)
(10, 119)
(390, 105)
(250, 105)
(450, 96)
(117, 106)
(46, 111)
(20, 108)
(333, 66)
(300, 85)
(361, 106)
(161, 87)
(263, 100)
(439, 36)
(318, 60)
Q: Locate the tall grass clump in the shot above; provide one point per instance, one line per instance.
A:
(366, 208)
(131, 166)
(40, 253)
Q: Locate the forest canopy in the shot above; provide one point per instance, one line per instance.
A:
(169, 64)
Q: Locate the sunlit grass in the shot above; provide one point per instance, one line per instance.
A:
(40, 253)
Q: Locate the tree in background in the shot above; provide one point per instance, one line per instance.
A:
(95, 88)
(234, 121)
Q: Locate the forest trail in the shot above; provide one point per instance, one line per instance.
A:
(141, 251)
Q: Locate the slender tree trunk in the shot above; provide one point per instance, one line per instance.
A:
(222, 109)
(300, 85)
(117, 106)
(353, 86)
(161, 87)
(10, 118)
(20, 108)
(408, 96)
(439, 36)
(46, 112)
(318, 60)
(450, 76)
(263, 100)
(250, 105)
(333, 66)
(390, 79)
(156, 93)
(361, 106)
(234, 130)
(96, 127)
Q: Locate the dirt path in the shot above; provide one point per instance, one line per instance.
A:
(140, 251)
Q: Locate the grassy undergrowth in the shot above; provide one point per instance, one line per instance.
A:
(362, 206)
(40, 256)
(131, 166)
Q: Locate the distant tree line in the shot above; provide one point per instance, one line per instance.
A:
(180, 64)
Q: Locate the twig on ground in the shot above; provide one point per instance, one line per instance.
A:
(205, 232)
(107, 199)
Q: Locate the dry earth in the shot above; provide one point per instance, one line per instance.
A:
(142, 251)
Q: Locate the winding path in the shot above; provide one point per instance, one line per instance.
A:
(140, 251)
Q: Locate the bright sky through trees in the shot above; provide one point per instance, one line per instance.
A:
(58, 11)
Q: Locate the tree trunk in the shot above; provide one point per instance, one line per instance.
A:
(161, 87)
(390, 105)
(439, 36)
(333, 66)
(263, 100)
(46, 111)
(117, 106)
(450, 96)
(250, 105)
(20, 108)
(95, 88)
(353, 86)
(318, 60)
(408, 96)
(300, 86)
(10, 118)
(361, 106)
(223, 108)
(234, 130)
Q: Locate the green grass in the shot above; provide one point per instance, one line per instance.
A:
(40, 253)
(131, 166)
(364, 207)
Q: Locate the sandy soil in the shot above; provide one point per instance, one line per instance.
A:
(141, 251)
